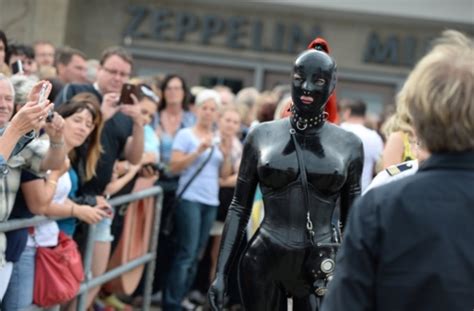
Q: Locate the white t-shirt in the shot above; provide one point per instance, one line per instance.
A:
(373, 147)
(46, 234)
(205, 187)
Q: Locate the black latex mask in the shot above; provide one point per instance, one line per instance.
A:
(313, 81)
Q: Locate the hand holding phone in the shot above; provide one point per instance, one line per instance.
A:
(42, 101)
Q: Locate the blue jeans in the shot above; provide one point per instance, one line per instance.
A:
(193, 222)
(19, 294)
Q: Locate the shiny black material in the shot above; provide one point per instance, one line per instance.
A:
(314, 76)
(274, 264)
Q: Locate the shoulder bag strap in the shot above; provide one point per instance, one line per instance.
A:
(186, 186)
(304, 182)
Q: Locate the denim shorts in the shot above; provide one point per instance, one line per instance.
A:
(103, 232)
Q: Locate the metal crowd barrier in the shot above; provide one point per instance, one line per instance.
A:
(148, 258)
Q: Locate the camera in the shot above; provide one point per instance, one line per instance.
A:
(216, 140)
(157, 167)
(50, 116)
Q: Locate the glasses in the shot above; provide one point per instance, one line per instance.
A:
(115, 72)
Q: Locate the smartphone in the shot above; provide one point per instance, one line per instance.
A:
(17, 67)
(125, 95)
(42, 94)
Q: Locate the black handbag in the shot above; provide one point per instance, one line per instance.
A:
(320, 261)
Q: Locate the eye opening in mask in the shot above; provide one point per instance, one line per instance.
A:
(320, 82)
(297, 76)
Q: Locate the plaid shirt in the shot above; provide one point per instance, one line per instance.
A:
(29, 158)
(22, 142)
(3, 167)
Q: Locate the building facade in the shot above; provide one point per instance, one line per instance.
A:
(241, 44)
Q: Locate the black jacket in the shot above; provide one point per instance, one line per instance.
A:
(410, 245)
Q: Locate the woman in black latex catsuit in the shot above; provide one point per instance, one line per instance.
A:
(273, 266)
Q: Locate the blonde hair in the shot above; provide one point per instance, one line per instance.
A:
(231, 108)
(282, 105)
(400, 121)
(439, 92)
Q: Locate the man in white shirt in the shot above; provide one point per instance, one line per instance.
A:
(353, 117)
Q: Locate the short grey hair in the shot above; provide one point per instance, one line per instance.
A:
(207, 94)
(23, 86)
(4, 77)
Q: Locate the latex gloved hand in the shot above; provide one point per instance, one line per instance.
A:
(216, 293)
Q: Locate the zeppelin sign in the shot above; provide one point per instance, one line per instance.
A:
(234, 32)
(253, 34)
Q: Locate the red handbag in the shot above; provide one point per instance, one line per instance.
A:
(58, 272)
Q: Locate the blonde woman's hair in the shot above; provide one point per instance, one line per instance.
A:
(400, 121)
(439, 95)
(282, 104)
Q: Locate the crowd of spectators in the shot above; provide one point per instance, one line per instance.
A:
(96, 147)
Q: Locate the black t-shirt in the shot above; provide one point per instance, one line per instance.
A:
(16, 239)
(114, 137)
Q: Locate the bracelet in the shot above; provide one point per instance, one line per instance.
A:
(72, 210)
(53, 182)
(54, 145)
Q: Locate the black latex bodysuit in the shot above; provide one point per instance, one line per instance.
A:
(272, 265)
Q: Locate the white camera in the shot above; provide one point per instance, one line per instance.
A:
(216, 140)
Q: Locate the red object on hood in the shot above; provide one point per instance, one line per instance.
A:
(331, 106)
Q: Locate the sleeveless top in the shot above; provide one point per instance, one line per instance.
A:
(408, 154)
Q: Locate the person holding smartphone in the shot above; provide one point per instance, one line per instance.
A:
(193, 148)
(20, 150)
(22, 59)
(122, 134)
